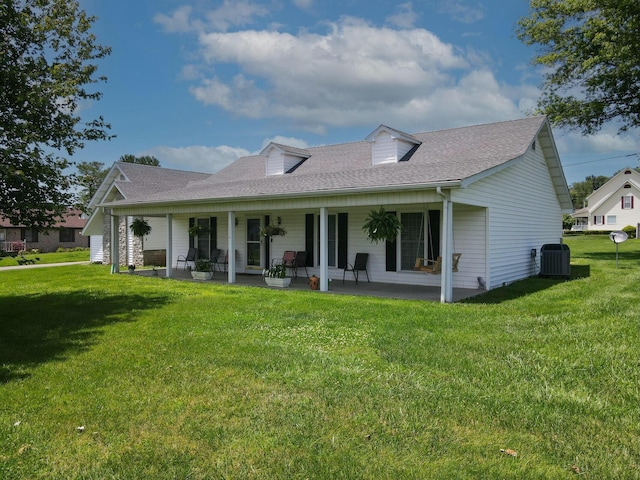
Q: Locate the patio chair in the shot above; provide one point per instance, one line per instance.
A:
(215, 256)
(359, 265)
(223, 259)
(289, 260)
(301, 261)
(190, 257)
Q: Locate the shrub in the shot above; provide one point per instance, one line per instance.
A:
(630, 230)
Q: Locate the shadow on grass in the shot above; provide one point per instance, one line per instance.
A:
(527, 287)
(39, 328)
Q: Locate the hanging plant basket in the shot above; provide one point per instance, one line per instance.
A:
(272, 231)
(381, 226)
(197, 230)
(139, 227)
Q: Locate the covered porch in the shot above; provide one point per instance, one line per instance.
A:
(331, 236)
(336, 287)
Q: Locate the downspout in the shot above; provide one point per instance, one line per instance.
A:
(446, 283)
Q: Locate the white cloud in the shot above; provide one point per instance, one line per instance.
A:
(196, 158)
(303, 4)
(461, 12)
(289, 141)
(607, 141)
(231, 13)
(352, 74)
(405, 18)
(179, 21)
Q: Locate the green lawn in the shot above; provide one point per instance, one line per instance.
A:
(80, 255)
(180, 380)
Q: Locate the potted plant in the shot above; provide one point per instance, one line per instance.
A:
(270, 231)
(276, 276)
(140, 227)
(202, 270)
(381, 226)
(197, 230)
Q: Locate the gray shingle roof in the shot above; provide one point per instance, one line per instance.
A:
(143, 181)
(444, 156)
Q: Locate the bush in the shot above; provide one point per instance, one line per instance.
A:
(630, 230)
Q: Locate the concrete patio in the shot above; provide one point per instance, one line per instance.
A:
(372, 289)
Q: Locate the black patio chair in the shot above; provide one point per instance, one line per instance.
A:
(215, 256)
(190, 257)
(359, 265)
(301, 262)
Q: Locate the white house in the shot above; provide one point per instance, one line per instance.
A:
(465, 190)
(129, 181)
(613, 205)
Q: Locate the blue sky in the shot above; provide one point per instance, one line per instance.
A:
(198, 84)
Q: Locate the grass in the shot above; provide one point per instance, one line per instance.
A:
(81, 255)
(180, 380)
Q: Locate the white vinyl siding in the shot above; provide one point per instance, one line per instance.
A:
(387, 149)
(96, 249)
(279, 162)
(512, 236)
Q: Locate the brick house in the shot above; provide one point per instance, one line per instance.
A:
(66, 233)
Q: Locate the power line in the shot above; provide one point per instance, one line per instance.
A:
(602, 159)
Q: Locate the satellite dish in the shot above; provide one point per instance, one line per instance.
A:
(618, 236)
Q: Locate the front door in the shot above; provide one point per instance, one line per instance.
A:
(253, 242)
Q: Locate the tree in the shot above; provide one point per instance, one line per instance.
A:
(590, 51)
(89, 177)
(581, 190)
(142, 160)
(47, 56)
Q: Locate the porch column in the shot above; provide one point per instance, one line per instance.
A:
(324, 250)
(115, 244)
(231, 245)
(169, 253)
(446, 286)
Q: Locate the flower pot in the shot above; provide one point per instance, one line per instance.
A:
(277, 282)
(201, 275)
(314, 282)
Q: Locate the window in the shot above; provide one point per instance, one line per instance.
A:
(627, 202)
(337, 233)
(29, 235)
(411, 239)
(611, 219)
(203, 240)
(598, 219)
(3, 235)
(67, 235)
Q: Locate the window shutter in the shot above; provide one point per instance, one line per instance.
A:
(622, 203)
(308, 238)
(632, 197)
(213, 233)
(192, 244)
(391, 260)
(342, 239)
(433, 249)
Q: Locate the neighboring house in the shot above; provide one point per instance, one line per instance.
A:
(65, 233)
(491, 192)
(613, 206)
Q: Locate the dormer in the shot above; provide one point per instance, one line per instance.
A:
(389, 145)
(283, 159)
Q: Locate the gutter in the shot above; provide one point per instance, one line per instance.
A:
(280, 196)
